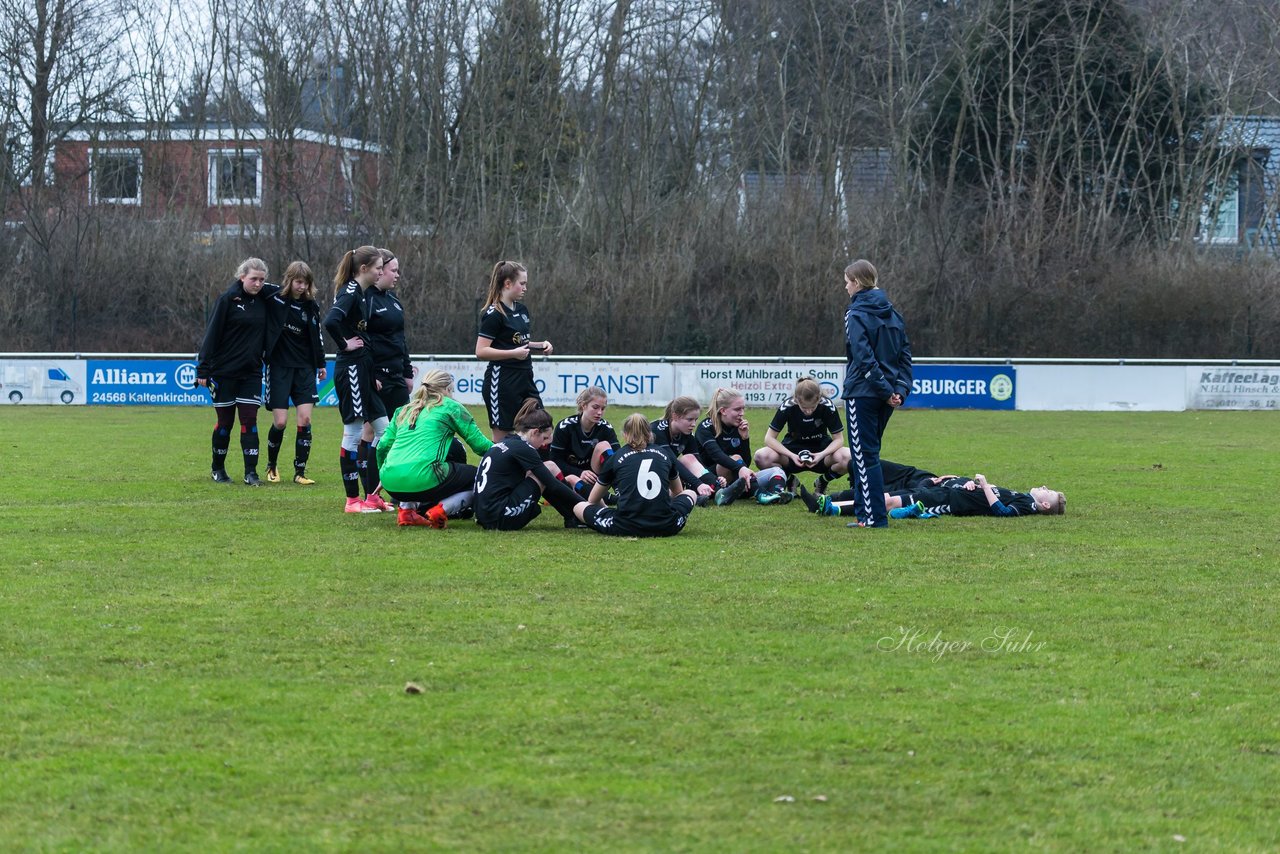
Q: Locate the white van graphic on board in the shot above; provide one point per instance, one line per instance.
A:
(37, 383)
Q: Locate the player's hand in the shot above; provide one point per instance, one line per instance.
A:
(322, 373)
(547, 349)
(704, 489)
(796, 461)
(723, 483)
(744, 429)
(747, 473)
(970, 485)
(588, 476)
(895, 399)
(980, 480)
(354, 343)
(521, 352)
(202, 381)
(377, 385)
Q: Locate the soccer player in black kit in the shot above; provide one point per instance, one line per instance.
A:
(358, 400)
(674, 431)
(724, 444)
(230, 365)
(582, 442)
(814, 436)
(512, 476)
(650, 500)
(504, 342)
(295, 361)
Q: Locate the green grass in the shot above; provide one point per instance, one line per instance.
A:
(185, 666)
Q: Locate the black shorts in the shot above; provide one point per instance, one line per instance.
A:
(522, 508)
(504, 391)
(357, 399)
(459, 478)
(228, 391)
(607, 521)
(394, 392)
(813, 446)
(285, 384)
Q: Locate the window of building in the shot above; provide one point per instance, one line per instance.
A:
(235, 177)
(115, 177)
(1220, 222)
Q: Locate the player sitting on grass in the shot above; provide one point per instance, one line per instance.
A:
(814, 437)
(724, 444)
(581, 443)
(651, 501)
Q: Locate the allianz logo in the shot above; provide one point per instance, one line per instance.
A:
(184, 375)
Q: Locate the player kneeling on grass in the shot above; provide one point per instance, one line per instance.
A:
(651, 502)
(413, 454)
(581, 443)
(724, 444)
(512, 476)
(814, 436)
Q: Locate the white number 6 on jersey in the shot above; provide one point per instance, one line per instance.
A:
(648, 483)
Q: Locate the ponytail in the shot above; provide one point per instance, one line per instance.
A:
(636, 431)
(351, 264)
(531, 416)
(503, 272)
(722, 398)
(434, 388)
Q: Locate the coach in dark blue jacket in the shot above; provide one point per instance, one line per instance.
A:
(877, 379)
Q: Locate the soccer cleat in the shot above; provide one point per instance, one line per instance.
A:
(406, 517)
(375, 501)
(701, 500)
(273, 476)
(355, 505)
(826, 507)
(792, 483)
(820, 484)
(572, 523)
(780, 497)
(303, 480)
(732, 492)
(437, 517)
(251, 478)
(809, 501)
(220, 476)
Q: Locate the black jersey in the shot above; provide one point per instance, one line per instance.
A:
(643, 481)
(293, 333)
(507, 331)
(719, 449)
(571, 446)
(823, 423)
(679, 445)
(236, 338)
(346, 319)
(898, 477)
(958, 501)
(386, 332)
(501, 470)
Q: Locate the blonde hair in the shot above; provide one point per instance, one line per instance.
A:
(503, 272)
(434, 388)
(807, 391)
(589, 394)
(1058, 505)
(862, 273)
(722, 398)
(636, 432)
(299, 270)
(251, 264)
(351, 264)
(680, 406)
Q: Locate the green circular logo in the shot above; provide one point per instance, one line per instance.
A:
(1001, 387)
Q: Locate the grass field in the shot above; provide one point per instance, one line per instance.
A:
(187, 666)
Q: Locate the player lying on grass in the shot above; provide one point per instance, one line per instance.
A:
(954, 497)
(651, 500)
(814, 437)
